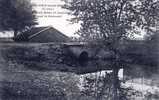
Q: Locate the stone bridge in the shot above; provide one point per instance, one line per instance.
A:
(137, 53)
(78, 50)
(50, 56)
(83, 52)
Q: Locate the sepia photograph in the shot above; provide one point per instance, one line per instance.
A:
(79, 49)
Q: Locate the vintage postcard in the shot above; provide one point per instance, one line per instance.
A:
(79, 49)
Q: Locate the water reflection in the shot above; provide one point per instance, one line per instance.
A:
(132, 89)
(52, 85)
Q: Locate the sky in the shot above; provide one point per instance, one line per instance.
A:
(54, 16)
(61, 23)
(58, 21)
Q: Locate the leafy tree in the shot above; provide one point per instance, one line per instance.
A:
(16, 15)
(109, 22)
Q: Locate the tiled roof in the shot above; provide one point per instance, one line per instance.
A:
(33, 32)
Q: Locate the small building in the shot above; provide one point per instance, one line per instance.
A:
(42, 35)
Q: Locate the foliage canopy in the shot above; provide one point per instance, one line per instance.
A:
(113, 19)
(16, 15)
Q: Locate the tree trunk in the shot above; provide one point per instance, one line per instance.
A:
(15, 33)
(115, 68)
(115, 83)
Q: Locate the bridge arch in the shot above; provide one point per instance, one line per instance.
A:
(79, 52)
(83, 57)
